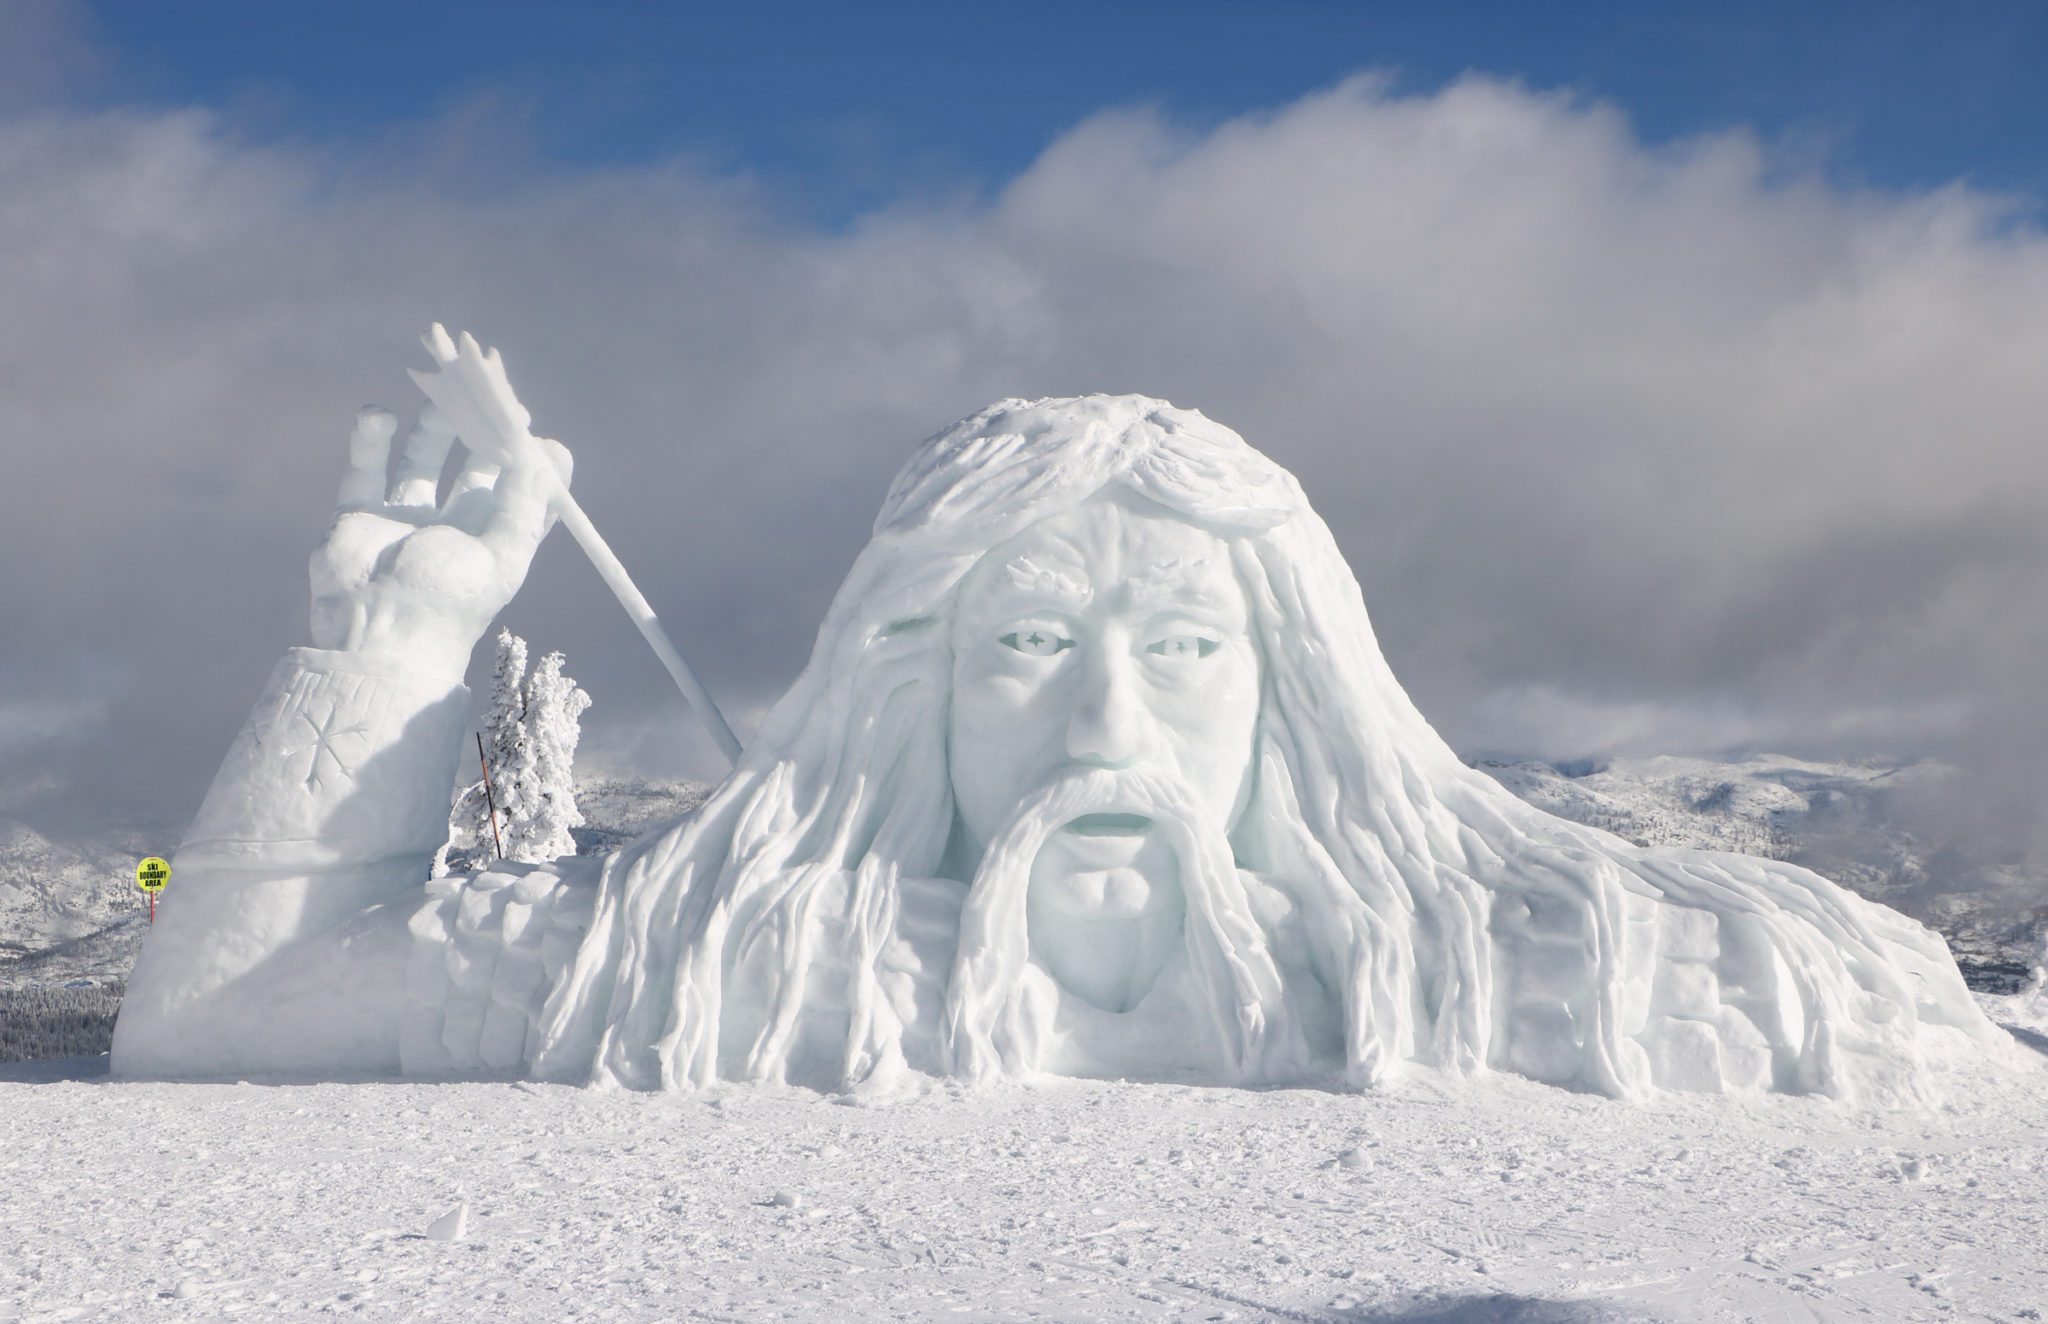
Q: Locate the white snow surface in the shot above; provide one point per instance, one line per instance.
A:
(1433, 1198)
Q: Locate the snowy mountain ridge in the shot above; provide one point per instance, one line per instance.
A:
(1761, 805)
(1859, 824)
(69, 907)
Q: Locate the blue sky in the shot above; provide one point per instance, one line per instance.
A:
(847, 106)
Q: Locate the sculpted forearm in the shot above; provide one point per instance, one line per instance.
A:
(282, 941)
(331, 801)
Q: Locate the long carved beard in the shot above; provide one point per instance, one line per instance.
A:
(993, 1026)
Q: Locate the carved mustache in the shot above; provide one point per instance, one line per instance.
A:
(1090, 800)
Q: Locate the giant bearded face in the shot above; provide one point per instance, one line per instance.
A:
(1114, 636)
(1102, 663)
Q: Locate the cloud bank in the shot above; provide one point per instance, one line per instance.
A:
(1635, 448)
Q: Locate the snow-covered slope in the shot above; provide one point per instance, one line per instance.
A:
(618, 809)
(1852, 822)
(69, 907)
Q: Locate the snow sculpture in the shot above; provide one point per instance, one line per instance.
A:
(1096, 769)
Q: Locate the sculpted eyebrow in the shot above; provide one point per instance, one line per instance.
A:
(1025, 578)
(1176, 584)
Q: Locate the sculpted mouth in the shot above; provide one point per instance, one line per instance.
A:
(1110, 825)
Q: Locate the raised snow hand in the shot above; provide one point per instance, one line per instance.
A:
(404, 576)
(472, 391)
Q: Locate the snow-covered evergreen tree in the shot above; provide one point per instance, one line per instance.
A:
(508, 749)
(529, 742)
(554, 721)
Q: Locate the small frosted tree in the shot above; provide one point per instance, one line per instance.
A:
(554, 722)
(2036, 989)
(529, 752)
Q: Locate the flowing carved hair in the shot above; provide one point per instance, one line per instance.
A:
(1360, 813)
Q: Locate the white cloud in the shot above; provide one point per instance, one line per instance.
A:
(27, 723)
(1655, 427)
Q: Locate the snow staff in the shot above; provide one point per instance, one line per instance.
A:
(1096, 769)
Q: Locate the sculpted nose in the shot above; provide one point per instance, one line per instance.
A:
(1109, 723)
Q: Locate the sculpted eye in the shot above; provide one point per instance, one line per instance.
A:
(1037, 643)
(1182, 645)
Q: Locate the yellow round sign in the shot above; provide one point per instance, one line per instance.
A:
(153, 873)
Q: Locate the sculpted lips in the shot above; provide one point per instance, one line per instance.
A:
(1110, 825)
(1104, 841)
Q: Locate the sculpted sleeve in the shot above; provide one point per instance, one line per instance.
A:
(347, 759)
(331, 801)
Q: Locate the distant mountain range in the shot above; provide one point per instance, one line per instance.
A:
(70, 911)
(69, 907)
(1861, 824)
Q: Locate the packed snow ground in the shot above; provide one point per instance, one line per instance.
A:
(1433, 1199)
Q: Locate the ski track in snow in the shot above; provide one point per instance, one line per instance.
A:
(1432, 1199)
